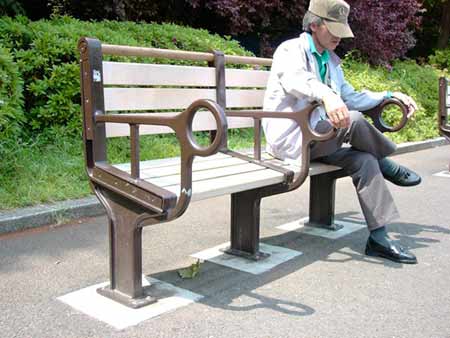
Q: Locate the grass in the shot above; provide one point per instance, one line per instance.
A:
(40, 172)
(51, 168)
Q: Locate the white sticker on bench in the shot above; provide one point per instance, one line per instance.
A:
(300, 226)
(277, 256)
(444, 173)
(88, 301)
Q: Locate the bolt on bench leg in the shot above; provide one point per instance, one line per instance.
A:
(125, 242)
(245, 211)
(321, 202)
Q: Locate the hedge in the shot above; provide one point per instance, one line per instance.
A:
(46, 55)
(418, 81)
(11, 99)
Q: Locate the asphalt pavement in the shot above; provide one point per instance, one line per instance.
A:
(331, 290)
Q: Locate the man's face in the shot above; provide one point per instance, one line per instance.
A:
(323, 39)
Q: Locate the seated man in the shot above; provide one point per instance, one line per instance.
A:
(306, 69)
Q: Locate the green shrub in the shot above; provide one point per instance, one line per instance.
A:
(419, 82)
(441, 58)
(11, 99)
(46, 54)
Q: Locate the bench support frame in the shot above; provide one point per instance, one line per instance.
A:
(321, 200)
(443, 121)
(245, 211)
(125, 250)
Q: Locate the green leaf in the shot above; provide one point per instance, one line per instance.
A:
(190, 272)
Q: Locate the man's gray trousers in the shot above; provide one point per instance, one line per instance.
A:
(360, 162)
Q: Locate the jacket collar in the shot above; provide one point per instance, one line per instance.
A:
(304, 43)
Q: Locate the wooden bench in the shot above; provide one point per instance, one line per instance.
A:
(444, 108)
(131, 99)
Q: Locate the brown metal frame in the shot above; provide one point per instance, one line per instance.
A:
(376, 115)
(444, 105)
(132, 203)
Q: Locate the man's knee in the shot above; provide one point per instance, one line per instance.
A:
(356, 116)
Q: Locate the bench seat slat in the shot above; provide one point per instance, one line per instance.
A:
(219, 174)
(170, 161)
(197, 167)
(206, 175)
(231, 184)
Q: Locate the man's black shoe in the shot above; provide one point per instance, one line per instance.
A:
(403, 177)
(393, 252)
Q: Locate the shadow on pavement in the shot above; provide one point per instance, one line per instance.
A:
(223, 286)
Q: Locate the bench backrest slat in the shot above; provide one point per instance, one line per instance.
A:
(246, 78)
(203, 121)
(141, 74)
(130, 99)
(143, 87)
(124, 99)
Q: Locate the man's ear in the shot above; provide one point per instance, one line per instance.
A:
(313, 26)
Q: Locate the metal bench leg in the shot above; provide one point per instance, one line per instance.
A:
(245, 210)
(321, 202)
(125, 245)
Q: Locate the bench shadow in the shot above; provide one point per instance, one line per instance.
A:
(234, 290)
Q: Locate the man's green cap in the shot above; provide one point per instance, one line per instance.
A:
(335, 15)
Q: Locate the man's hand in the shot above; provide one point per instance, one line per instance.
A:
(408, 101)
(337, 111)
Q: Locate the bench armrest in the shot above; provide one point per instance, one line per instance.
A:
(182, 125)
(376, 115)
(309, 135)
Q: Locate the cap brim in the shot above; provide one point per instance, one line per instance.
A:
(340, 30)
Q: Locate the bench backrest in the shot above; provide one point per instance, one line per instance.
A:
(167, 89)
(444, 107)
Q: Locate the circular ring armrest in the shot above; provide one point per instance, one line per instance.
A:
(376, 115)
(189, 148)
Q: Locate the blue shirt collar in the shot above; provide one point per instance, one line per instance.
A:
(325, 56)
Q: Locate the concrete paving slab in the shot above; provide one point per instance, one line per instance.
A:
(445, 174)
(277, 256)
(89, 302)
(345, 227)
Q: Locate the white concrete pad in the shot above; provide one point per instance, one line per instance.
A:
(291, 226)
(444, 173)
(277, 256)
(349, 226)
(354, 219)
(88, 301)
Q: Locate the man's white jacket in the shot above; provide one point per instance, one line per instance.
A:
(294, 82)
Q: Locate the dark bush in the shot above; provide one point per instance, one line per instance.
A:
(46, 54)
(10, 7)
(384, 29)
(269, 21)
